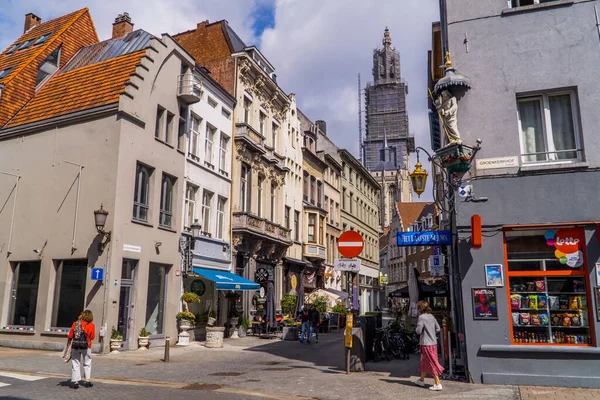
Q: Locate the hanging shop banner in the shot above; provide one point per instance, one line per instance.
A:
(568, 243)
(428, 238)
(484, 304)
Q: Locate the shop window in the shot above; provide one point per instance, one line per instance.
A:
(69, 295)
(547, 281)
(549, 127)
(23, 300)
(155, 298)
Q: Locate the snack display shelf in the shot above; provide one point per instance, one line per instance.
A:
(540, 292)
(570, 327)
(565, 293)
(531, 326)
(542, 310)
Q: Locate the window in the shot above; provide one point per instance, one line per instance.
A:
(261, 125)
(343, 198)
(273, 201)
(244, 186)
(330, 210)
(42, 39)
(221, 216)
(160, 116)
(48, 67)
(212, 102)
(141, 197)
(170, 124)
(166, 201)
(223, 153)
(206, 200)
(181, 129)
(69, 295)
(12, 49)
(549, 127)
(259, 196)
(549, 298)
(26, 44)
(247, 110)
(190, 204)
(321, 229)
(208, 145)
(194, 137)
(274, 129)
(351, 202)
(312, 222)
(4, 72)
(520, 3)
(287, 217)
(155, 298)
(226, 113)
(23, 299)
(422, 265)
(297, 226)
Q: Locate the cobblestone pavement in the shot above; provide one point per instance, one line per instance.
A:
(555, 393)
(244, 368)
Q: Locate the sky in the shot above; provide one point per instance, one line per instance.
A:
(318, 47)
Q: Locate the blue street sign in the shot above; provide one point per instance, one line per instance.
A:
(97, 274)
(429, 238)
(436, 251)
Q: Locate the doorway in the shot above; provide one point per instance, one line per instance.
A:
(127, 301)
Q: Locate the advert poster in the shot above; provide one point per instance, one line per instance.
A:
(484, 304)
(493, 275)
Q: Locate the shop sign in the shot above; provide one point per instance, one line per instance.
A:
(383, 280)
(568, 245)
(427, 238)
(132, 248)
(498, 162)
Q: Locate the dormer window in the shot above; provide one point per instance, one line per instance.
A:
(26, 44)
(12, 49)
(4, 72)
(42, 39)
(48, 67)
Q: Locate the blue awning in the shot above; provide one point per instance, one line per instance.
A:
(226, 280)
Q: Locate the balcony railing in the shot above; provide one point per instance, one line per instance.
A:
(260, 226)
(250, 135)
(189, 88)
(315, 251)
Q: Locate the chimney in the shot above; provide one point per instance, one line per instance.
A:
(122, 26)
(203, 23)
(31, 20)
(322, 126)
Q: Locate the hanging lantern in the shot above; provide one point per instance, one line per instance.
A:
(418, 178)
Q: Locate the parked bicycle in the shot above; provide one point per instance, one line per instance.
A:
(390, 342)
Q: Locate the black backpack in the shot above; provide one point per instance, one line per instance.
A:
(80, 340)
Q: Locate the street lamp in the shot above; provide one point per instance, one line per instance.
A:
(418, 178)
(100, 219)
(196, 229)
(186, 245)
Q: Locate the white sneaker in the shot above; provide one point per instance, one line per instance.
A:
(436, 388)
(419, 383)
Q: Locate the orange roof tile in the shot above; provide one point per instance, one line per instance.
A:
(80, 89)
(409, 212)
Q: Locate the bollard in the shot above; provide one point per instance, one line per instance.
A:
(167, 345)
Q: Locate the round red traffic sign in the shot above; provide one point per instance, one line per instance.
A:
(350, 244)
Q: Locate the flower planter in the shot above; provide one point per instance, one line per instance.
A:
(211, 321)
(115, 345)
(456, 157)
(184, 336)
(143, 342)
(242, 331)
(290, 333)
(214, 336)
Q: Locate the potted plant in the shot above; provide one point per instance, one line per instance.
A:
(143, 339)
(290, 329)
(288, 304)
(244, 324)
(116, 340)
(234, 316)
(185, 319)
(189, 297)
(212, 318)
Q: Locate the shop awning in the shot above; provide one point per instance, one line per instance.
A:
(226, 280)
(340, 294)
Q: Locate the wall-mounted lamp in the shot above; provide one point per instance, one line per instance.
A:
(100, 218)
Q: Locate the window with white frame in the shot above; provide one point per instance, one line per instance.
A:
(226, 113)
(208, 144)
(247, 110)
(549, 128)
(221, 203)
(166, 201)
(259, 196)
(194, 137)
(190, 204)
(212, 102)
(206, 200)
(273, 202)
(274, 128)
(141, 194)
(181, 128)
(261, 123)
(244, 188)
(223, 153)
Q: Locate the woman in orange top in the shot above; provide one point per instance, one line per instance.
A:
(85, 321)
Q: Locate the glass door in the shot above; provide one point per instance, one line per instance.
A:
(124, 322)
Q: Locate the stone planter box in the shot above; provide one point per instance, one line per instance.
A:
(214, 336)
(198, 333)
(290, 333)
(143, 342)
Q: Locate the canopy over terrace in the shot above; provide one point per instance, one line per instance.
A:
(226, 280)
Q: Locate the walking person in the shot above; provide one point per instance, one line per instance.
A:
(81, 334)
(315, 322)
(305, 319)
(428, 328)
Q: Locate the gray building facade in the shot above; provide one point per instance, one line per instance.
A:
(533, 102)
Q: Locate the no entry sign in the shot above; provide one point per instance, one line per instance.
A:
(350, 244)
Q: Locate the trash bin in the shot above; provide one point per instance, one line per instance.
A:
(368, 324)
(357, 353)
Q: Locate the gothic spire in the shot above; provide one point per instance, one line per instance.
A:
(387, 39)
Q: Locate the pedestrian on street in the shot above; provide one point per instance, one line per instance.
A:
(428, 328)
(304, 318)
(315, 322)
(81, 334)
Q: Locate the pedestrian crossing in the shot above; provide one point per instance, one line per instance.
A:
(13, 378)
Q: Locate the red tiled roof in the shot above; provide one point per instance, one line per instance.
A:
(409, 212)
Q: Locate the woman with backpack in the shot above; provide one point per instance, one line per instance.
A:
(81, 334)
